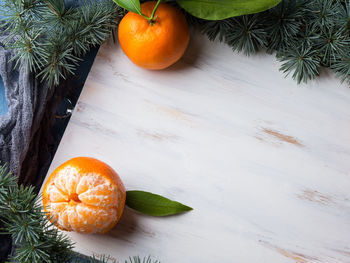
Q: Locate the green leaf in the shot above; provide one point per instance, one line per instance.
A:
(154, 205)
(130, 5)
(222, 9)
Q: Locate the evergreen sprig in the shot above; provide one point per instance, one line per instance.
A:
(137, 259)
(305, 34)
(302, 61)
(341, 67)
(35, 239)
(49, 37)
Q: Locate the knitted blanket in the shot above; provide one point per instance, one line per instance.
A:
(26, 100)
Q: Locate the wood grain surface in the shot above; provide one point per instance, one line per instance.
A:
(265, 163)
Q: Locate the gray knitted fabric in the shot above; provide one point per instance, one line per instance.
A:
(26, 140)
(26, 100)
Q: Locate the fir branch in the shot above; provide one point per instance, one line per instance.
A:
(50, 38)
(283, 23)
(139, 260)
(36, 240)
(331, 43)
(305, 34)
(59, 61)
(246, 34)
(322, 13)
(56, 15)
(29, 51)
(303, 61)
(101, 259)
(344, 17)
(341, 67)
(216, 29)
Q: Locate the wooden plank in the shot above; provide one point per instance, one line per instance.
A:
(264, 163)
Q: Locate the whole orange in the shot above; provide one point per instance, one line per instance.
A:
(157, 44)
(84, 195)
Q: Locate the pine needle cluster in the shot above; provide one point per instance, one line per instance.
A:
(305, 34)
(34, 236)
(50, 37)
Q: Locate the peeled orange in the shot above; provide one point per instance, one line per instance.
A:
(84, 195)
(155, 44)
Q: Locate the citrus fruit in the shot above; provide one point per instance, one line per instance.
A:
(84, 195)
(154, 44)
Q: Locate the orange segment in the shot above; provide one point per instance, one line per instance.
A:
(57, 195)
(84, 195)
(56, 209)
(67, 179)
(87, 182)
(93, 217)
(101, 195)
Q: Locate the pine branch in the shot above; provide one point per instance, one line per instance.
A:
(344, 17)
(49, 38)
(215, 29)
(35, 238)
(341, 67)
(139, 260)
(284, 23)
(305, 34)
(332, 42)
(323, 12)
(302, 61)
(247, 34)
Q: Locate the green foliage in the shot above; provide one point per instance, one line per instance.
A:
(130, 5)
(49, 37)
(153, 204)
(305, 34)
(35, 239)
(246, 34)
(139, 260)
(221, 9)
(303, 61)
(341, 67)
(210, 9)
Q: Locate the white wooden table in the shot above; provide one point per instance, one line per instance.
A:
(264, 163)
